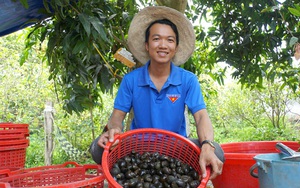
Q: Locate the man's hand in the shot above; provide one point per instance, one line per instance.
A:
(108, 136)
(208, 158)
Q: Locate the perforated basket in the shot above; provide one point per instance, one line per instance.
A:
(151, 140)
(10, 129)
(13, 156)
(69, 174)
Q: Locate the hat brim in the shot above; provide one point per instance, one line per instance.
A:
(140, 22)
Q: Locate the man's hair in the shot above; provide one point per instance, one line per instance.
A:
(162, 21)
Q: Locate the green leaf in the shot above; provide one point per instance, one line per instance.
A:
(297, 6)
(96, 23)
(268, 9)
(293, 41)
(78, 47)
(99, 28)
(23, 57)
(294, 11)
(58, 2)
(24, 3)
(85, 23)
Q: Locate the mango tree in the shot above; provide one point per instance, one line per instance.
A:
(255, 38)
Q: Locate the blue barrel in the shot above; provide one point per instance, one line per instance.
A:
(274, 172)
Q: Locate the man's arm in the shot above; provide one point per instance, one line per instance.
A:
(116, 120)
(207, 155)
(204, 127)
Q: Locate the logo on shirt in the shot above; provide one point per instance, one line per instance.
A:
(173, 97)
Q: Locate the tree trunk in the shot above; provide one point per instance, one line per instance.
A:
(179, 5)
(92, 120)
(48, 126)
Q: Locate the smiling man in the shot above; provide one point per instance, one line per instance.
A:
(162, 38)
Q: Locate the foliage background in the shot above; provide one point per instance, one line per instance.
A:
(236, 113)
(256, 38)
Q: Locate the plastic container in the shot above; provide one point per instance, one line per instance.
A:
(239, 160)
(13, 156)
(13, 145)
(14, 128)
(58, 176)
(273, 172)
(151, 140)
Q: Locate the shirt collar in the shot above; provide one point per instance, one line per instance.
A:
(173, 79)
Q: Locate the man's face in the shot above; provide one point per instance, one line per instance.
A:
(161, 45)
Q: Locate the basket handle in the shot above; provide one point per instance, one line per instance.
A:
(5, 172)
(71, 163)
(205, 180)
(109, 144)
(96, 167)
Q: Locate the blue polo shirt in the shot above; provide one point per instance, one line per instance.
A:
(164, 109)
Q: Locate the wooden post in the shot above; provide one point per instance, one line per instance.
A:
(48, 126)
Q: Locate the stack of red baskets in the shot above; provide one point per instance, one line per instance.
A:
(13, 144)
(13, 174)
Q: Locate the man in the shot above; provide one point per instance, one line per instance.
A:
(157, 92)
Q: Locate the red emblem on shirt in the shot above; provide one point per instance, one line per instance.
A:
(173, 97)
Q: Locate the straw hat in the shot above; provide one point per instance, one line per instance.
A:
(140, 22)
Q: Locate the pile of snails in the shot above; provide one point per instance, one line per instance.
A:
(153, 170)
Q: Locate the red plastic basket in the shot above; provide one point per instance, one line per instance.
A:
(58, 176)
(13, 145)
(14, 128)
(13, 156)
(151, 140)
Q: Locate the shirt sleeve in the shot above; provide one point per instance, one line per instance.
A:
(123, 100)
(194, 98)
